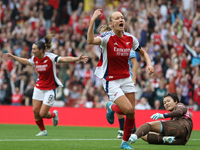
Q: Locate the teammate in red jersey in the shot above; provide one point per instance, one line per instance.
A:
(44, 92)
(113, 69)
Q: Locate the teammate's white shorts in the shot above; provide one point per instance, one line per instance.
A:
(117, 88)
(47, 96)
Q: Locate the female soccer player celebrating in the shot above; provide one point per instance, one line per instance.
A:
(44, 91)
(133, 66)
(113, 69)
(176, 131)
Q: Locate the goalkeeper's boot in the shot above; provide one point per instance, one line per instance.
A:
(110, 113)
(55, 119)
(168, 139)
(42, 133)
(120, 134)
(133, 138)
(125, 145)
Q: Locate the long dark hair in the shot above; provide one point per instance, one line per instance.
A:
(41, 45)
(173, 96)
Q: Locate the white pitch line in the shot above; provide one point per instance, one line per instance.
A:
(7, 140)
(57, 140)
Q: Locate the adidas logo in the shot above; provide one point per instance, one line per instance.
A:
(115, 43)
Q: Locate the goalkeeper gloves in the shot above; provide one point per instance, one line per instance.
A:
(157, 116)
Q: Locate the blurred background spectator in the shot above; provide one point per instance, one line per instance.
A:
(168, 30)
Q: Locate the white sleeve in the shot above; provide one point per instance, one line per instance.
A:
(104, 38)
(103, 41)
(54, 58)
(135, 43)
(31, 61)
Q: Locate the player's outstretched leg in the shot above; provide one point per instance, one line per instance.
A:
(55, 119)
(125, 145)
(110, 113)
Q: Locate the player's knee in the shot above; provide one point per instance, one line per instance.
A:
(144, 137)
(130, 111)
(36, 111)
(42, 114)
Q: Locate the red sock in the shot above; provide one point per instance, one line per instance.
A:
(53, 115)
(116, 109)
(40, 124)
(128, 128)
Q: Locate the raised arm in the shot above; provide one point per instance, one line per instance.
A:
(12, 84)
(21, 60)
(90, 34)
(22, 85)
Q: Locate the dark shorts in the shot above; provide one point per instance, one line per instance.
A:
(170, 128)
(174, 128)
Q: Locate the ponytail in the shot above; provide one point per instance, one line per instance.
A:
(48, 39)
(105, 28)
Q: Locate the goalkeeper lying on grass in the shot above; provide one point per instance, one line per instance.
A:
(175, 131)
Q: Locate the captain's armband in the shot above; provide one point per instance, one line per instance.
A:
(56, 58)
(138, 48)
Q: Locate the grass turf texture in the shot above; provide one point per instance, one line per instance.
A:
(22, 137)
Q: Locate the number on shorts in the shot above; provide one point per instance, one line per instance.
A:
(50, 98)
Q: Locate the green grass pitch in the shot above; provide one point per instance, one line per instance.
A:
(22, 137)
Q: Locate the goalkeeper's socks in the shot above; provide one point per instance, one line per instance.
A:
(143, 130)
(40, 124)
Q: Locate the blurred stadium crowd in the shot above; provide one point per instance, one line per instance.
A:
(168, 30)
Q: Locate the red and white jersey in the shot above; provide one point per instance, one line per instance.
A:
(113, 63)
(17, 98)
(46, 69)
(179, 47)
(157, 37)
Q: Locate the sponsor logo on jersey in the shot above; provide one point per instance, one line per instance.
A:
(41, 67)
(121, 49)
(127, 43)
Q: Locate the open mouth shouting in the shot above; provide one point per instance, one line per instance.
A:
(121, 25)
